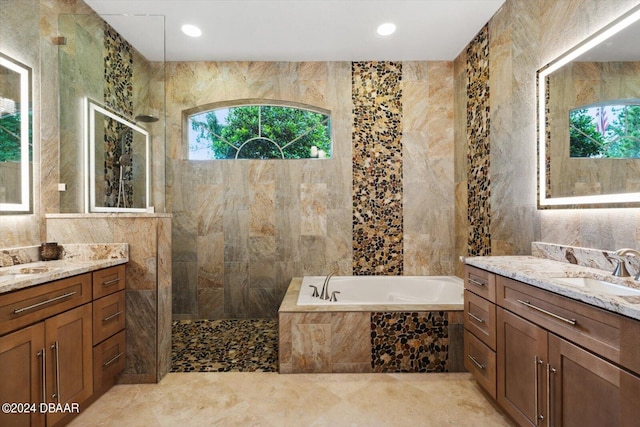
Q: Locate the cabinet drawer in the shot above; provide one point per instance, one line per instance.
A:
(480, 360)
(108, 281)
(480, 282)
(27, 306)
(108, 316)
(480, 318)
(108, 362)
(608, 334)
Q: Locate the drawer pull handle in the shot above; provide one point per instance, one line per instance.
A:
(475, 362)
(113, 359)
(114, 315)
(111, 282)
(475, 282)
(40, 304)
(548, 313)
(476, 318)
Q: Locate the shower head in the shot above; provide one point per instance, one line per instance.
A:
(146, 118)
(125, 160)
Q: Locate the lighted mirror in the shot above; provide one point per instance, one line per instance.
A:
(118, 161)
(15, 136)
(589, 121)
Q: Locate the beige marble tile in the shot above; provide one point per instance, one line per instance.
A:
(350, 341)
(262, 210)
(311, 347)
(210, 303)
(313, 207)
(270, 399)
(210, 261)
(210, 205)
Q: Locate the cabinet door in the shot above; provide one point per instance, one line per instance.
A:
(586, 390)
(70, 358)
(22, 368)
(521, 354)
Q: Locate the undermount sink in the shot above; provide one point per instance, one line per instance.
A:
(598, 285)
(36, 270)
(17, 271)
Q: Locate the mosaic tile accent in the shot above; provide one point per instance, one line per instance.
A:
(377, 168)
(478, 152)
(547, 140)
(409, 342)
(245, 345)
(118, 95)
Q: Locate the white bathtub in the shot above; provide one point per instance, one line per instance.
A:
(385, 290)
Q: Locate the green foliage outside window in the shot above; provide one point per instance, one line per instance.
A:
(610, 131)
(10, 138)
(261, 132)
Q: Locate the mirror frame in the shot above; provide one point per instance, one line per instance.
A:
(24, 206)
(593, 201)
(91, 107)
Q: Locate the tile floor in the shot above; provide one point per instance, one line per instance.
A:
(270, 399)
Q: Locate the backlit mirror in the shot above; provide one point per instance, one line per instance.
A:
(118, 162)
(15, 136)
(589, 121)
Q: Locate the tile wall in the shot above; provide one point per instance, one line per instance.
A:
(523, 36)
(250, 226)
(243, 228)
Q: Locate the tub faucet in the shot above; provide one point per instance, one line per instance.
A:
(324, 294)
(621, 269)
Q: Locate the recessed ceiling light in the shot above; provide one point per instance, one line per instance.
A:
(191, 30)
(386, 29)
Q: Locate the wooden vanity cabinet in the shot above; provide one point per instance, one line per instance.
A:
(47, 348)
(108, 327)
(522, 358)
(561, 362)
(587, 390)
(480, 327)
(69, 362)
(22, 362)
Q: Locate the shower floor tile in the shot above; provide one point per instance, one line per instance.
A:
(229, 345)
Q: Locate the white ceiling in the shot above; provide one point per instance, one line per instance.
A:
(299, 30)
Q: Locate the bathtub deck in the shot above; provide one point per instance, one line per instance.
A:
(289, 304)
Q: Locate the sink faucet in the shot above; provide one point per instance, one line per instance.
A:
(621, 269)
(324, 294)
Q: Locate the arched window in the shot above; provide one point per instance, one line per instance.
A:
(269, 130)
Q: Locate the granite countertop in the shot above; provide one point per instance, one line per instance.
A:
(543, 273)
(35, 273)
(21, 267)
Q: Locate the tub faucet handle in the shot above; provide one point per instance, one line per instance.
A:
(333, 296)
(315, 293)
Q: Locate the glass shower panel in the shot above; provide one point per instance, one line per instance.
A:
(118, 162)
